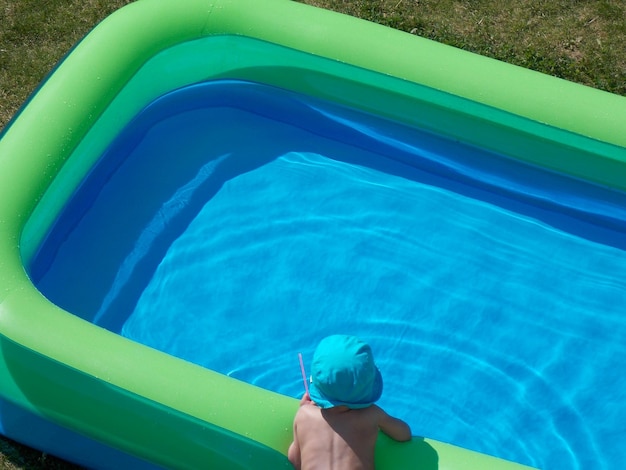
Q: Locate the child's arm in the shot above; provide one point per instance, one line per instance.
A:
(394, 427)
(293, 454)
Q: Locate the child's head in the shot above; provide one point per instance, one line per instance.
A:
(344, 373)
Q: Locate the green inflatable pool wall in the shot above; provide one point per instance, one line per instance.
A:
(152, 405)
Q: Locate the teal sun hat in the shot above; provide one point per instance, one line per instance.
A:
(344, 373)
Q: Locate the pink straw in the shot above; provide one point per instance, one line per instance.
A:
(306, 385)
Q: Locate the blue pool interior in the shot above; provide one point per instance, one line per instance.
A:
(234, 225)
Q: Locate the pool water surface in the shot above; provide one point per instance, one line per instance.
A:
(234, 225)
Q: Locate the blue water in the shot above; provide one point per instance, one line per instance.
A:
(234, 226)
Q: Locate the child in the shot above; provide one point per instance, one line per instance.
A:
(337, 425)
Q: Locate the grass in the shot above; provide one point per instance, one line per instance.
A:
(581, 41)
(34, 36)
(14, 456)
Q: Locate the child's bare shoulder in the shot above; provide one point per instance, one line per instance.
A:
(308, 412)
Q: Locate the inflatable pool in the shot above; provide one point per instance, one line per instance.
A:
(91, 396)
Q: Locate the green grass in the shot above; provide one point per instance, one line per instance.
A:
(581, 41)
(34, 36)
